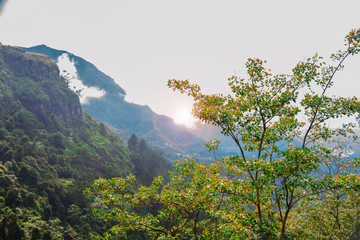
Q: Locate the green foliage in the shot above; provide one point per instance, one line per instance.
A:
(10, 227)
(147, 162)
(213, 145)
(188, 206)
(49, 152)
(133, 143)
(334, 214)
(58, 140)
(275, 187)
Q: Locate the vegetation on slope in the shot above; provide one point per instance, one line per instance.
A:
(50, 150)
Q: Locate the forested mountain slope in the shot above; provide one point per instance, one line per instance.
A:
(105, 100)
(50, 150)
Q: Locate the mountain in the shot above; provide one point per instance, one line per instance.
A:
(50, 150)
(105, 100)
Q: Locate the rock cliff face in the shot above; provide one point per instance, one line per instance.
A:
(31, 70)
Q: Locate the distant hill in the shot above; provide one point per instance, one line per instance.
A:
(105, 100)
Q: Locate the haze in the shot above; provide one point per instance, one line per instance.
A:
(141, 44)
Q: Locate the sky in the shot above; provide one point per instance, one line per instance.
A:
(141, 43)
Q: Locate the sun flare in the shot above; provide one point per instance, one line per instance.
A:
(183, 116)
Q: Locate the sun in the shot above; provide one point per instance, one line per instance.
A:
(183, 116)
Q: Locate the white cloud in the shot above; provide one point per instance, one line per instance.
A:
(68, 71)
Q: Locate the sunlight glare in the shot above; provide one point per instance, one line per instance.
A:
(183, 116)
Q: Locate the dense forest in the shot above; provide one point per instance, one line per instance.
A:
(63, 175)
(50, 150)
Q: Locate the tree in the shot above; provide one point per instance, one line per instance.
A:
(133, 143)
(335, 213)
(250, 195)
(142, 147)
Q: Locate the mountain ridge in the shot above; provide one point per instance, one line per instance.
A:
(174, 140)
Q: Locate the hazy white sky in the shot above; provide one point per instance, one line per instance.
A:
(141, 44)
